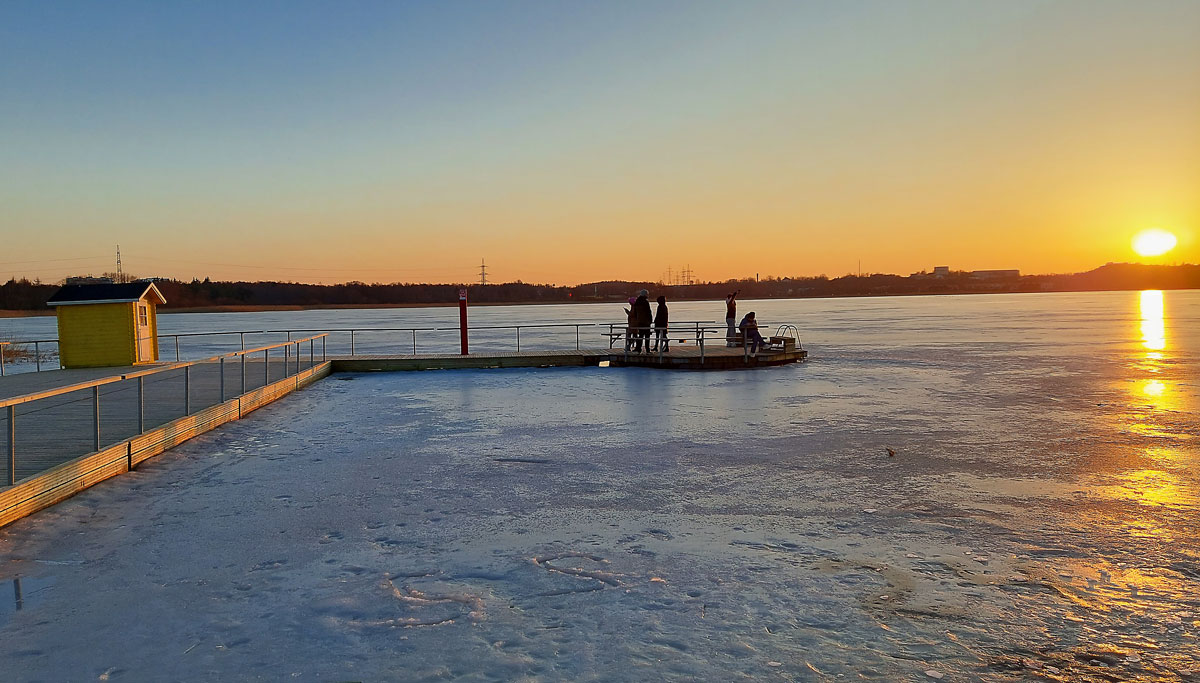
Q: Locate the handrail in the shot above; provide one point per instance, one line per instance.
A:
(356, 329)
(414, 330)
(209, 334)
(58, 391)
(578, 326)
(37, 351)
(617, 332)
(29, 341)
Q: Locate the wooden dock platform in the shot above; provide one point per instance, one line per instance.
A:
(680, 357)
(454, 361)
(56, 454)
(714, 357)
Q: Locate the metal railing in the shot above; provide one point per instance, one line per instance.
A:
(291, 363)
(699, 333)
(422, 338)
(416, 338)
(411, 332)
(6, 358)
(241, 338)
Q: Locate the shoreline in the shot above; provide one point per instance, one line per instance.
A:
(263, 308)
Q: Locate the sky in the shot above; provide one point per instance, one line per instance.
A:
(568, 142)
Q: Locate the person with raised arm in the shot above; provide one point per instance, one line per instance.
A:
(731, 317)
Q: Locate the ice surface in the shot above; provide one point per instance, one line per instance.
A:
(1038, 519)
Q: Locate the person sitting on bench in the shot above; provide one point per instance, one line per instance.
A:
(749, 328)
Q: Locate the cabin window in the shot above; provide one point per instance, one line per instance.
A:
(143, 316)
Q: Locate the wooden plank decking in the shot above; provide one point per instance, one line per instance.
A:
(680, 357)
(451, 361)
(54, 430)
(65, 478)
(716, 356)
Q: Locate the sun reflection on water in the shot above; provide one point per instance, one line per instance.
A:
(1154, 341)
(1154, 479)
(1154, 330)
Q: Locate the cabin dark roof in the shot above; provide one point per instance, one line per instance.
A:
(105, 293)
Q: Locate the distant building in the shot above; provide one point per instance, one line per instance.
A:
(941, 271)
(995, 274)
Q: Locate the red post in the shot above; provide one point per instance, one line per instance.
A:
(462, 320)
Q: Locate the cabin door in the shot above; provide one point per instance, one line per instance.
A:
(145, 342)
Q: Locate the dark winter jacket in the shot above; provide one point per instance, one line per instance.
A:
(641, 312)
(660, 316)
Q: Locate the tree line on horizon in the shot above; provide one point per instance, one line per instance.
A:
(27, 295)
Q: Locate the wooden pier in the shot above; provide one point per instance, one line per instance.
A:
(680, 357)
(713, 357)
(454, 361)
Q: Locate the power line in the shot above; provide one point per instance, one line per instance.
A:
(262, 267)
(52, 260)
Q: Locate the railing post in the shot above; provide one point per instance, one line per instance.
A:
(141, 396)
(96, 417)
(266, 367)
(518, 337)
(37, 357)
(323, 348)
(577, 337)
(310, 352)
(243, 373)
(221, 365)
(12, 445)
(176, 348)
(414, 342)
(187, 390)
(701, 340)
(243, 336)
(351, 342)
(2, 360)
(287, 357)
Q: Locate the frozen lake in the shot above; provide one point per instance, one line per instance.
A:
(1039, 516)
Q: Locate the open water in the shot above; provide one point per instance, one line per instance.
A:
(1036, 516)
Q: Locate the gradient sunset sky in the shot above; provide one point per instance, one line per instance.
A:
(568, 142)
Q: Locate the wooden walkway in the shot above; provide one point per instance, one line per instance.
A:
(63, 480)
(680, 357)
(54, 430)
(452, 361)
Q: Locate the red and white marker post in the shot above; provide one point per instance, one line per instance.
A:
(462, 320)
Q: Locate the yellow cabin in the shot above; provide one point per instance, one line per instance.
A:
(106, 324)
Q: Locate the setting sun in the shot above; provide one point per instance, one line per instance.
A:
(1153, 242)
